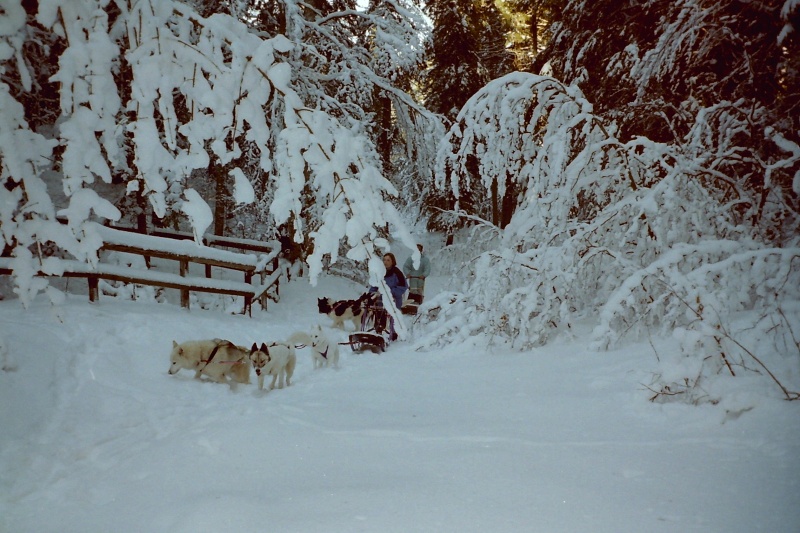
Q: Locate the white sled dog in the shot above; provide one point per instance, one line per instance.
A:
(215, 358)
(277, 359)
(324, 351)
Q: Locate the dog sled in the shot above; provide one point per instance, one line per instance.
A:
(415, 296)
(376, 328)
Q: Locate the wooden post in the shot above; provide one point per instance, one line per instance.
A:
(93, 290)
(248, 300)
(278, 279)
(184, 292)
(263, 298)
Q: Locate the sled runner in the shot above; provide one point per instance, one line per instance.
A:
(415, 297)
(375, 329)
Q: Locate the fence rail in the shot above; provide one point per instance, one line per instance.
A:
(177, 246)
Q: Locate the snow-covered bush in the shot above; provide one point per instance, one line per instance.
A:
(636, 237)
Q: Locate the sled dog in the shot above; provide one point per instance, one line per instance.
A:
(343, 310)
(215, 358)
(324, 351)
(277, 359)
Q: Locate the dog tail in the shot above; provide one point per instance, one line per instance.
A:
(298, 338)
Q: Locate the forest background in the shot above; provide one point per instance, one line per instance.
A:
(633, 165)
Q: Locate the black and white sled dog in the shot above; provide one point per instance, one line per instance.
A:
(343, 310)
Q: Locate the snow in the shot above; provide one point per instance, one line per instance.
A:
(198, 212)
(98, 437)
(13, 18)
(788, 7)
(172, 246)
(157, 278)
(243, 192)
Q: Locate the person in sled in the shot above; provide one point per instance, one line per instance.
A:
(397, 284)
(416, 276)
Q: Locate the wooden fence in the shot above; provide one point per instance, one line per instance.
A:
(179, 247)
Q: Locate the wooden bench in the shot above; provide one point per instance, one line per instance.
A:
(268, 263)
(183, 252)
(67, 268)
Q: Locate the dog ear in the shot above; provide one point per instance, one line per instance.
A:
(174, 344)
(254, 348)
(264, 348)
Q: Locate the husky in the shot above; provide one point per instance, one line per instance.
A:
(343, 310)
(277, 359)
(323, 351)
(216, 358)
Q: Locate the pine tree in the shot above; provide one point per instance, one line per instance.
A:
(467, 51)
(455, 71)
(530, 21)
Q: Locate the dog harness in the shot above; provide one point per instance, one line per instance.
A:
(323, 354)
(210, 357)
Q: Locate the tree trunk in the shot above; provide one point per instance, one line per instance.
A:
(509, 203)
(495, 202)
(383, 112)
(219, 175)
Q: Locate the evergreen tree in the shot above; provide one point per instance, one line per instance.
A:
(456, 71)
(530, 21)
(651, 66)
(467, 51)
(493, 33)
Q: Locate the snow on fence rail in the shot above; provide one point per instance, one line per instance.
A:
(175, 246)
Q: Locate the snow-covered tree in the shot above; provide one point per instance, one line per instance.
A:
(652, 66)
(657, 190)
(467, 50)
(640, 236)
(153, 91)
(27, 213)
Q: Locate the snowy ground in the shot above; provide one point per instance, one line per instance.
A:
(96, 437)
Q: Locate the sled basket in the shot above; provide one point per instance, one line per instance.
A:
(410, 309)
(367, 341)
(412, 304)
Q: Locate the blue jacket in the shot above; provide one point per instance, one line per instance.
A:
(396, 282)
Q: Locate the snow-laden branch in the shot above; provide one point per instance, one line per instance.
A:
(348, 189)
(624, 234)
(166, 92)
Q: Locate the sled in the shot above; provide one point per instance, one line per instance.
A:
(367, 340)
(374, 328)
(414, 300)
(412, 304)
